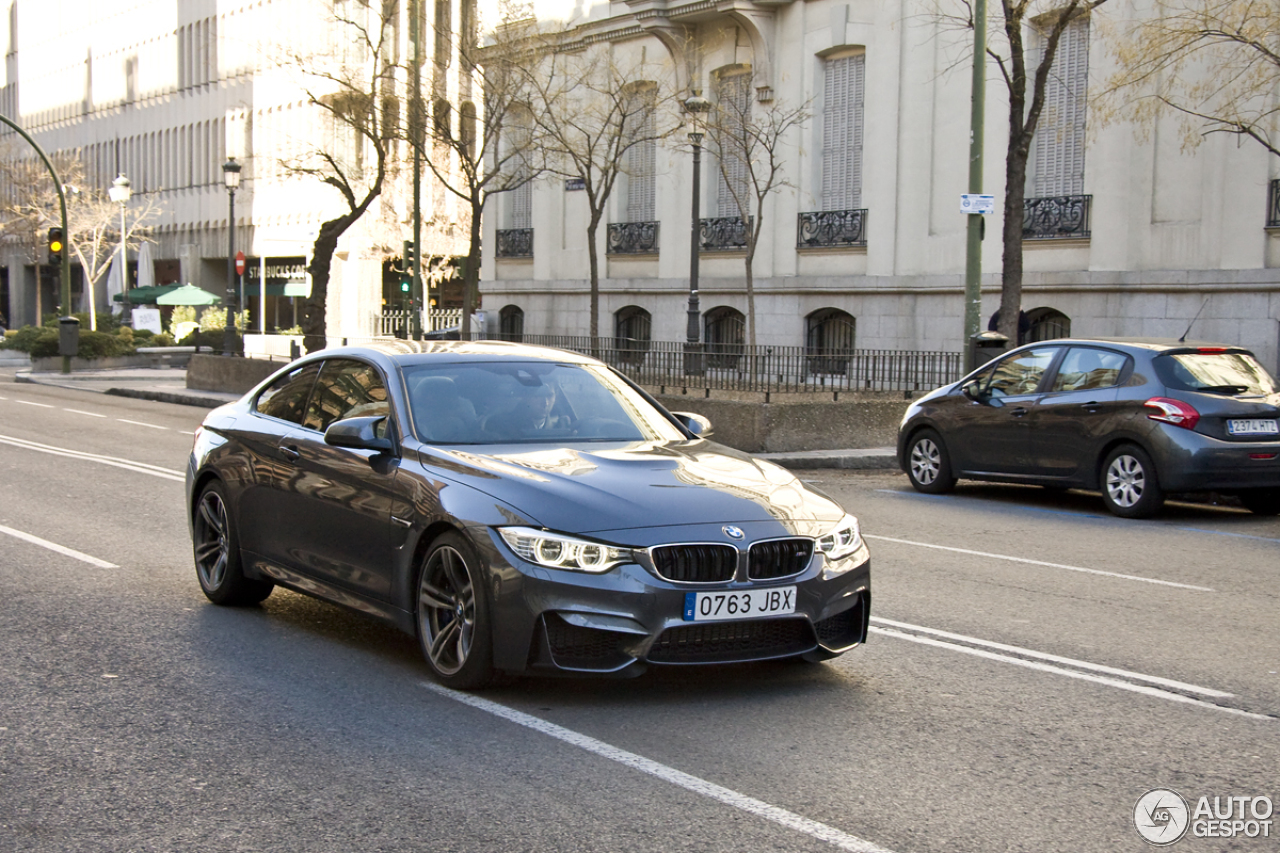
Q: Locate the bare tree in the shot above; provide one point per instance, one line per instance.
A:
(1026, 70)
(595, 107)
(477, 151)
(748, 141)
(93, 220)
(1215, 63)
(353, 88)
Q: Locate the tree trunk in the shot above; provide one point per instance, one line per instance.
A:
(315, 306)
(593, 264)
(471, 279)
(1015, 175)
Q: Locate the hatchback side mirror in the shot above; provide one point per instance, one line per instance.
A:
(696, 424)
(359, 434)
(972, 391)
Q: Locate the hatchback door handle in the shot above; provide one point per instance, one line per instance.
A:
(1091, 406)
(290, 453)
(1018, 412)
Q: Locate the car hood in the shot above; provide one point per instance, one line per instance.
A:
(610, 487)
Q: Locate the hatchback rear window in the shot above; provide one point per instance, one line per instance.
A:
(1215, 373)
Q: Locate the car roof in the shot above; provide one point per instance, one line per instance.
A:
(1152, 344)
(405, 353)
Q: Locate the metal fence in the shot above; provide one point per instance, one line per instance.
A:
(670, 364)
(390, 324)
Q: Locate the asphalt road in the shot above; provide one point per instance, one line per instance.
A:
(1035, 667)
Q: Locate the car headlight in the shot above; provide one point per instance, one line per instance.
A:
(557, 551)
(843, 541)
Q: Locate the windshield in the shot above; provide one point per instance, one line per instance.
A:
(529, 402)
(1215, 372)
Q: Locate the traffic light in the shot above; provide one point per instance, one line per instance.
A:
(405, 284)
(409, 252)
(56, 246)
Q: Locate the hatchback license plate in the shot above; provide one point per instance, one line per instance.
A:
(747, 604)
(1252, 426)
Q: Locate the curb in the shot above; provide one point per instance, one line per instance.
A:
(168, 397)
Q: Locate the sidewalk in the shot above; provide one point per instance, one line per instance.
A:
(169, 385)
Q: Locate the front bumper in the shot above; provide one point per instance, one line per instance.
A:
(621, 621)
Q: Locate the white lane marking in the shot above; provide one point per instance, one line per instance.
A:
(1078, 664)
(1069, 673)
(78, 412)
(29, 403)
(140, 423)
(52, 546)
(1039, 563)
(137, 467)
(729, 797)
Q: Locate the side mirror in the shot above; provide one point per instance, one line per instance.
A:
(359, 434)
(970, 390)
(696, 424)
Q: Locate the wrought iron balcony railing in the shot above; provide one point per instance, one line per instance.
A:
(831, 228)
(723, 234)
(1061, 217)
(515, 243)
(1273, 204)
(633, 238)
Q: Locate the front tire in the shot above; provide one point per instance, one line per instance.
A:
(217, 553)
(929, 464)
(454, 629)
(1130, 487)
(1261, 501)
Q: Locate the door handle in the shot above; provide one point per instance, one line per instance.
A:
(290, 453)
(1018, 412)
(1091, 406)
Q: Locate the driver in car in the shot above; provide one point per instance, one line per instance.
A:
(530, 414)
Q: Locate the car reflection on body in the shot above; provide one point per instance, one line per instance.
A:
(1135, 418)
(518, 509)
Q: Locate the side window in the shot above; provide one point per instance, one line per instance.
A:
(286, 398)
(347, 389)
(1021, 373)
(1085, 368)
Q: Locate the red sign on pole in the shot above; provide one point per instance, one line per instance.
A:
(239, 263)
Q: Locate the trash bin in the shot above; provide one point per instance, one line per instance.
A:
(68, 336)
(985, 346)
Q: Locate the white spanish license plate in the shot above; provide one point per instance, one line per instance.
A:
(1252, 426)
(745, 604)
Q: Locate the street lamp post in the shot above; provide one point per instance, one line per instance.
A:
(121, 191)
(695, 105)
(231, 177)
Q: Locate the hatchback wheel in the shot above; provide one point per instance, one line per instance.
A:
(1130, 488)
(1261, 501)
(453, 615)
(217, 553)
(928, 465)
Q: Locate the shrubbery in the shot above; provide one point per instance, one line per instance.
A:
(92, 344)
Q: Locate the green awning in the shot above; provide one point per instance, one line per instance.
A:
(290, 288)
(145, 295)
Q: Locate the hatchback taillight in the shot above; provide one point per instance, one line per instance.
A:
(1174, 412)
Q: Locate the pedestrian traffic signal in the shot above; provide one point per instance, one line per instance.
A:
(409, 251)
(56, 246)
(405, 284)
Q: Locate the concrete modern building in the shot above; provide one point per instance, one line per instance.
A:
(164, 91)
(865, 246)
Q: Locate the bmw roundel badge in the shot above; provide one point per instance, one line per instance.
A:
(733, 532)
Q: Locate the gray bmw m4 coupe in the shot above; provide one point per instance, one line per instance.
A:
(518, 509)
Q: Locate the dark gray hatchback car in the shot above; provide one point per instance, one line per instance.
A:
(1134, 418)
(518, 508)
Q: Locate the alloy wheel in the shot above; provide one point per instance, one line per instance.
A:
(447, 610)
(926, 461)
(1126, 481)
(212, 550)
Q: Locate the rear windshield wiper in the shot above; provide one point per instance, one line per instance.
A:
(1224, 389)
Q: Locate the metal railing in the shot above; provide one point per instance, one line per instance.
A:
(633, 238)
(1060, 217)
(723, 234)
(831, 228)
(515, 243)
(739, 367)
(392, 324)
(1273, 204)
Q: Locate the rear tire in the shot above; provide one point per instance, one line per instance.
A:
(1130, 487)
(1261, 501)
(217, 553)
(929, 464)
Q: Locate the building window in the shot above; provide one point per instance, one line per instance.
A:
(830, 335)
(1046, 324)
(1060, 135)
(467, 128)
(842, 132)
(724, 330)
(631, 329)
(511, 323)
(733, 108)
(520, 199)
(642, 155)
